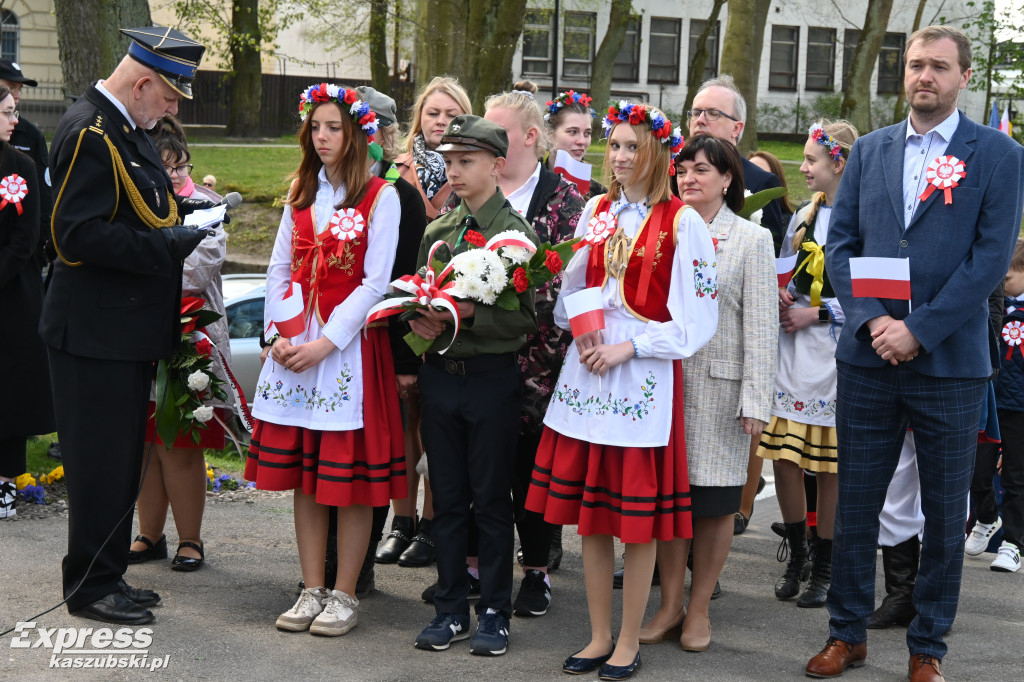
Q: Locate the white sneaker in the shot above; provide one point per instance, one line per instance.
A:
(338, 617)
(8, 492)
(980, 535)
(1008, 559)
(308, 607)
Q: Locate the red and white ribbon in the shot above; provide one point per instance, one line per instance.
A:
(347, 224)
(599, 229)
(943, 173)
(429, 290)
(1013, 334)
(13, 189)
(510, 240)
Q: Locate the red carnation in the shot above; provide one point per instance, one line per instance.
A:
(475, 238)
(521, 281)
(612, 111)
(553, 262)
(368, 118)
(351, 96)
(319, 93)
(637, 116)
(203, 347)
(585, 100)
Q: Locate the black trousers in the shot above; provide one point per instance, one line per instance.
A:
(1011, 428)
(12, 457)
(101, 421)
(470, 429)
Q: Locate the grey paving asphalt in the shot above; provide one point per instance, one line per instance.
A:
(218, 623)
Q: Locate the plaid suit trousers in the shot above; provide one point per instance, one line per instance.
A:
(875, 406)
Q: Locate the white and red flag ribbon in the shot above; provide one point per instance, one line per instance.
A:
(13, 189)
(286, 313)
(784, 268)
(1013, 332)
(880, 277)
(585, 310)
(576, 172)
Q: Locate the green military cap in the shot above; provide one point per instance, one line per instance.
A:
(468, 133)
(172, 54)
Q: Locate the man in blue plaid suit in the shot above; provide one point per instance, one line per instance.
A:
(920, 364)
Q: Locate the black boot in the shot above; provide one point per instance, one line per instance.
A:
(555, 553)
(420, 551)
(821, 576)
(402, 530)
(796, 539)
(900, 565)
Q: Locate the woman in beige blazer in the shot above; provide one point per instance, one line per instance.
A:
(729, 385)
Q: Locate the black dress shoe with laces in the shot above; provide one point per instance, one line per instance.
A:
(117, 609)
(140, 597)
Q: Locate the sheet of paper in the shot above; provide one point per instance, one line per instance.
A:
(205, 218)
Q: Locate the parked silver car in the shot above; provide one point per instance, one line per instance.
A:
(244, 297)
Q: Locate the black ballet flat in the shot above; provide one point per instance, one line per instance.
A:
(619, 672)
(187, 563)
(152, 551)
(581, 666)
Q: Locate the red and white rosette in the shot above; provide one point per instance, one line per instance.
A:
(599, 229)
(1013, 334)
(347, 224)
(13, 189)
(943, 173)
(423, 291)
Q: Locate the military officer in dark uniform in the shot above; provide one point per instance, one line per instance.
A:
(113, 305)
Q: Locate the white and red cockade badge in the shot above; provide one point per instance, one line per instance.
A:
(347, 224)
(943, 173)
(13, 189)
(599, 229)
(1013, 334)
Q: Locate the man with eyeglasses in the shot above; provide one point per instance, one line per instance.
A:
(719, 109)
(29, 139)
(114, 304)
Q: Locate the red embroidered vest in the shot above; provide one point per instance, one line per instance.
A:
(644, 287)
(329, 265)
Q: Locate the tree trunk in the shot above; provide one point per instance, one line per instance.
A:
(744, 28)
(899, 110)
(857, 98)
(695, 69)
(494, 29)
(604, 60)
(378, 35)
(247, 86)
(88, 40)
(440, 49)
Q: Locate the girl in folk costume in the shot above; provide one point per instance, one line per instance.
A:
(613, 457)
(328, 421)
(802, 431)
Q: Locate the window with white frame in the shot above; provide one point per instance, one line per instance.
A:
(578, 44)
(663, 52)
(783, 61)
(538, 33)
(10, 35)
(627, 62)
(821, 59)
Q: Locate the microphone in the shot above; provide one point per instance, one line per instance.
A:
(231, 200)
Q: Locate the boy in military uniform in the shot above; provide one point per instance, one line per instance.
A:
(470, 402)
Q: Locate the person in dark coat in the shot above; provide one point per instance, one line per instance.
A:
(26, 409)
(113, 305)
(29, 139)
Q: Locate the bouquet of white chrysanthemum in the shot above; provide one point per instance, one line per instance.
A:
(493, 273)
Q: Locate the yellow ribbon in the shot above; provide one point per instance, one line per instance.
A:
(815, 266)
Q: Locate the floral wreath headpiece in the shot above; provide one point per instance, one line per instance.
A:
(568, 99)
(818, 134)
(327, 92)
(635, 114)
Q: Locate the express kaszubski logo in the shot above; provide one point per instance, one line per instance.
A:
(91, 647)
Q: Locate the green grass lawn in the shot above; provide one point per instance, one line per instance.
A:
(258, 173)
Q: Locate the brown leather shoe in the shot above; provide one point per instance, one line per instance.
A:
(925, 668)
(836, 657)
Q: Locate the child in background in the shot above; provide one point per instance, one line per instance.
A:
(328, 424)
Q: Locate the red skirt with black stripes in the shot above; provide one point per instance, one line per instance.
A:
(635, 494)
(341, 468)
